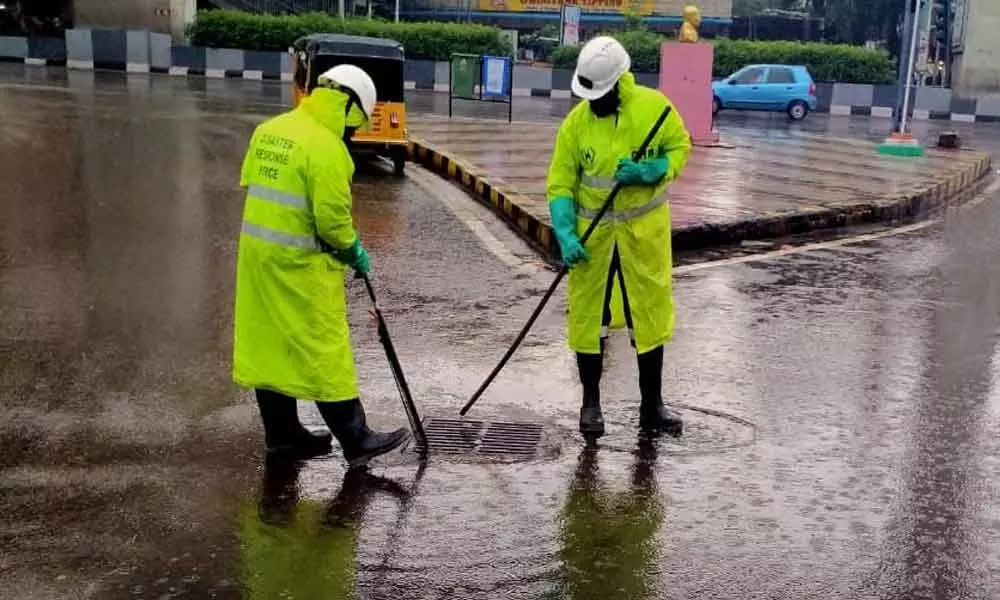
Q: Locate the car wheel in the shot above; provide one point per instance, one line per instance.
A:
(716, 106)
(798, 110)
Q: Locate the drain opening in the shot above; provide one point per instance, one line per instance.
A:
(453, 436)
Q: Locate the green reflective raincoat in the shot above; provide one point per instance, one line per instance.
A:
(291, 333)
(586, 156)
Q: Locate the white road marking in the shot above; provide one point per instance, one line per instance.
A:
(463, 207)
(992, 189)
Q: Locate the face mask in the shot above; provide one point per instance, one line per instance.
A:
(353, 115)
(606, 105)
(354, 118)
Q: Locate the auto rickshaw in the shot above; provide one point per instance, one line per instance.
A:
(382, 59)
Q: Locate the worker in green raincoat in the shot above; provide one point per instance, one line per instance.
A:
(291, 337)
(607, 537)
(627, 265)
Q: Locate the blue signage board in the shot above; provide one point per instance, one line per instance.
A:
(496, 76)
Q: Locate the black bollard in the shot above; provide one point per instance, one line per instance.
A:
(949, 140)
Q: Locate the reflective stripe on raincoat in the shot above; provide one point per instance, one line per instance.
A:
(291, 333)
(583, 164)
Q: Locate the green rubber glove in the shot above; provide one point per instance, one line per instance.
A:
(647, 172)
(355, 256)
(563, 212)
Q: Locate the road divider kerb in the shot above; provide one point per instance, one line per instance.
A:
(951, 189)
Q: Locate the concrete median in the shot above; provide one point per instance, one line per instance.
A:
(754, 188)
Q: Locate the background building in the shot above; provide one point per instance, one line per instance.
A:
(597, 14)
(162, 16)
(170, 16)
(977, 68)
(35, 17)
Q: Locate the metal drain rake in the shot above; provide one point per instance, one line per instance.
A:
(454, 436)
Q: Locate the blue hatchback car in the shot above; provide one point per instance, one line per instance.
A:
(783, 88)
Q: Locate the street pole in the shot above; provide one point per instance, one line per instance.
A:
(397, 11)
(904, 59)
(948, 27)
(340, 8)
(909, 67)
(900, 142)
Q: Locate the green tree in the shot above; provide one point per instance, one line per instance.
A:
(634, 22)
(859, 21)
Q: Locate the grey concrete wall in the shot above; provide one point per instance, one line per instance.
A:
(220, 61)
(52, 50)
(137, 50)
(110, 48)
(933, 99)
(526, 77)
(977, 71)
(13, 47)
(80, 49)
(442, 74)
(421, 73)
(159, 51)
(850, 94)
(989, 105)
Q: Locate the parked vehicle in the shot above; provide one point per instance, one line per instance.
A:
(783, 88)
(383, 59)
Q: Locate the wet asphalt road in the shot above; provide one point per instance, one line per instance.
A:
(841, 402)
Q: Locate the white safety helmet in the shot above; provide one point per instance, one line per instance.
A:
(354, 79)
(602, 62)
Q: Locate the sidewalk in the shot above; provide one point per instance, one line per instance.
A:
(759, 188)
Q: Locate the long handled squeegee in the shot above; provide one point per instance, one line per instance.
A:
(562, 272)
(397, 370)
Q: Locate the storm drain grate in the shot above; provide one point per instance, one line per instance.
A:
(455, 436)
(511, 438)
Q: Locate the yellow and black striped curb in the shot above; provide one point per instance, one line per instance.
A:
(955, 188)
(506, 203)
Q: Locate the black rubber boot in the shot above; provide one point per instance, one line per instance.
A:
(654, 417)
(591, 418)
(348, 423)
(284, 435)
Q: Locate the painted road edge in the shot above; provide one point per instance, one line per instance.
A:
(504, 202)
(950, 190)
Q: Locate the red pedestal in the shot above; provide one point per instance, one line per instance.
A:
(686, 78)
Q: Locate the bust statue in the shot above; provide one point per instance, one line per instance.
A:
(692, 19)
